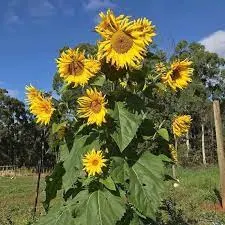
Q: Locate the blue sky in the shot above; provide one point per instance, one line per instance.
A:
(32, 31)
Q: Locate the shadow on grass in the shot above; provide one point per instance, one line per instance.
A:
(175, 216)
(217, 193)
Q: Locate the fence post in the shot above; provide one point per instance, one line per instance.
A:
(220, 148)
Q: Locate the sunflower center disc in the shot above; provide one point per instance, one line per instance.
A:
(75, 68)
(121, 42)
(175, 75)
(95, 162)
(96, 106)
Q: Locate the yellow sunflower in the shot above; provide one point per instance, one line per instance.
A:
(125, 41)
(173, 153)
(93, 162)
(146, 30)
(32, 93)
(40, 106)
(92, 106)
(161, 69)
(179, 74)
(181, 125)
(75, 68)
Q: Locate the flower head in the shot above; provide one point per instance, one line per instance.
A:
(92, 106)
(40, 106)
(93, 162)
(32, 93)
(181, 125)
(75, 68)
(179, 74)
(124, 41)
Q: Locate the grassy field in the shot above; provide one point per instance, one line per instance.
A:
(17, 198)
(196, 198)
(192, 202)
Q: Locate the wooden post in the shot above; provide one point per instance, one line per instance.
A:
(220, 148)
(203, 144)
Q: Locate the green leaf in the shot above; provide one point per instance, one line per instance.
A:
(146, 184)
(119, 170)
(53, 184)
(99, 207)
(108, 182)
(63, 152)
(127, 125)
(73, 163)
(164, 133)
(98, 81)
(57, 216)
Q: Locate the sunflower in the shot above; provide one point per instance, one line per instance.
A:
(173, 153)
(92, 106)
(75, 68)
(160, 68)
(40, 106)
(93, 162)
(32, 93)
(179, 74)
(181, 125)
(125, 41)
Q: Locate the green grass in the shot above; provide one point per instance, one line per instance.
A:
(195, 196)
(195, 190)
(17, 198)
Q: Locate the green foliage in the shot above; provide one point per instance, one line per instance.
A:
(99, 207)
(53, 184)
(163, 133)
(127, 125)
(57, 216)
(128, 190)
(73, 163)
(146, 184)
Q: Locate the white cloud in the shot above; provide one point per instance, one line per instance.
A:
(215, 42)
(99, 4)
(11, 18)
(41, 8)
(13, 93)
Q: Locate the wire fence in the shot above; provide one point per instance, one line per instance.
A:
(13, 170)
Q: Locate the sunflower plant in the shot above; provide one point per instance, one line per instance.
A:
(111, 166)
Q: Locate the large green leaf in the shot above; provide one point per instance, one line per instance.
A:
(146, 184)
(73, 163)
(99, 207)
(57, 216)
(53, 184)
(127, 125)
(63, 152)
(119, 170)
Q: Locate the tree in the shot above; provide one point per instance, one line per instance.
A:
(20, 137)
